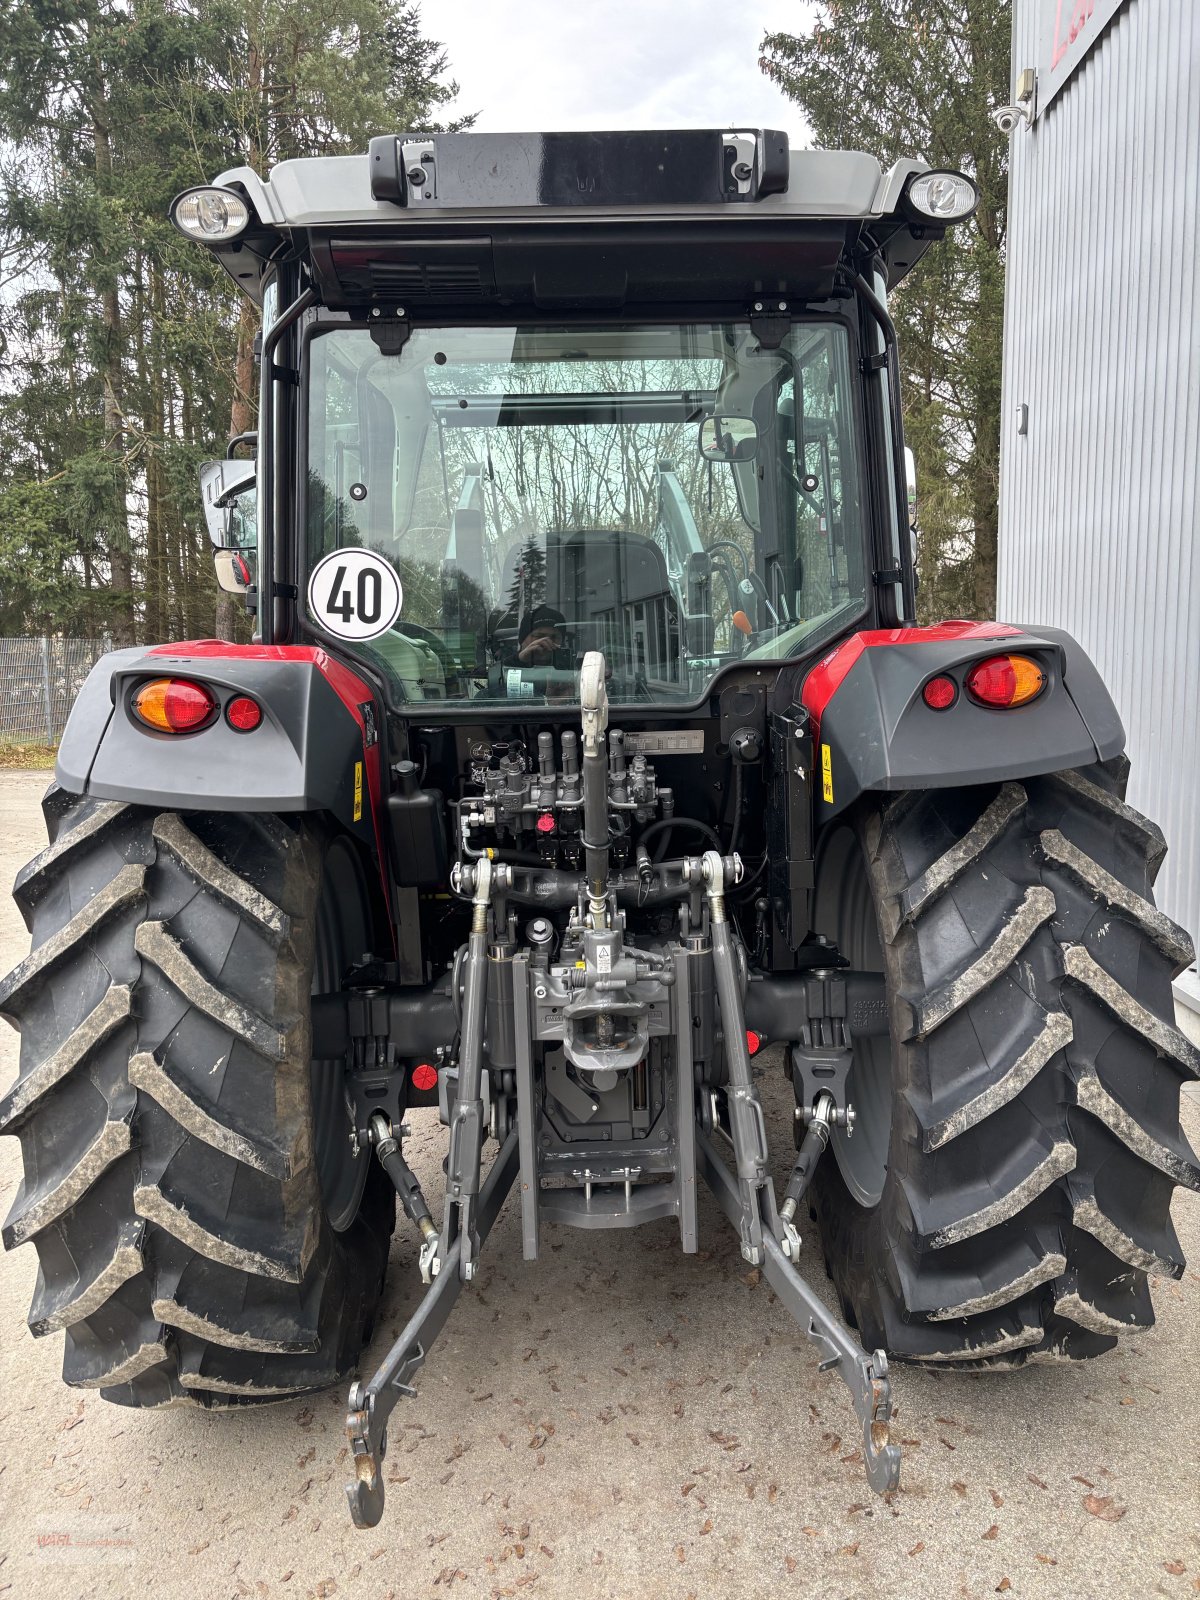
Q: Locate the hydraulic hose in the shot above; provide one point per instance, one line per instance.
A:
(728, 544)
(738, 779)
(664, 825)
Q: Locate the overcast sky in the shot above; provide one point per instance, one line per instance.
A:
(538, 65)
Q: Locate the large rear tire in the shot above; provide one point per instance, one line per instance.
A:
(190, 1191)
(1008, 1187)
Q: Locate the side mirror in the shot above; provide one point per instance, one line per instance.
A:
(233, 571)
(221, 482)
(728, 438)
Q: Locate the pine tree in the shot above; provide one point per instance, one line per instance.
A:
(126, 357)
(915, 78)
(528, 587)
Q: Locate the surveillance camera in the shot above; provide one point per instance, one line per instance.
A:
(1008, 118)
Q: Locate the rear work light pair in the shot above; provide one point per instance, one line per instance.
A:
(178, 705)
(1001, 682)
(216, 216)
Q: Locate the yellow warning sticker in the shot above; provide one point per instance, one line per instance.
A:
(826, 775)
(358, 791)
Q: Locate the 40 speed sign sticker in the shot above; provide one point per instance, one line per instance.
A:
(355, 594)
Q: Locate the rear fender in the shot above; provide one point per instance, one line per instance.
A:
(316, 749)
(874, 732)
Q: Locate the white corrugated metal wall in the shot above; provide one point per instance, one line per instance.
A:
(1099, 510)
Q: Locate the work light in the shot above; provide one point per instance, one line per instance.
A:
(943, 196)
(210, 215)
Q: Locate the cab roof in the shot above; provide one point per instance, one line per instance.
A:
(577, 220)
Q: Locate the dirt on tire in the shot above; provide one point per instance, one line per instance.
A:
(165, 1113)
(1036, 1071)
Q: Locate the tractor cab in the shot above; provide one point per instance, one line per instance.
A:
(637, 385)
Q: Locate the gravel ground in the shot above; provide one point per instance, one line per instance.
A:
(616, 1419)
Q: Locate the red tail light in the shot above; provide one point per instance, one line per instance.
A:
(753, 1041)
(174, 705)
(1005, 681)
(424, 1076)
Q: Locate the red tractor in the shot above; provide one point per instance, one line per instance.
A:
(587, 745)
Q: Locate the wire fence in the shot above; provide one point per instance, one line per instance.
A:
(39, 679)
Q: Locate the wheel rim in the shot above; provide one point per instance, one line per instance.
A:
(342, 936)
(845, 913)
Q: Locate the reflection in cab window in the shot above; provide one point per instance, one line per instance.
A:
(676, 496)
